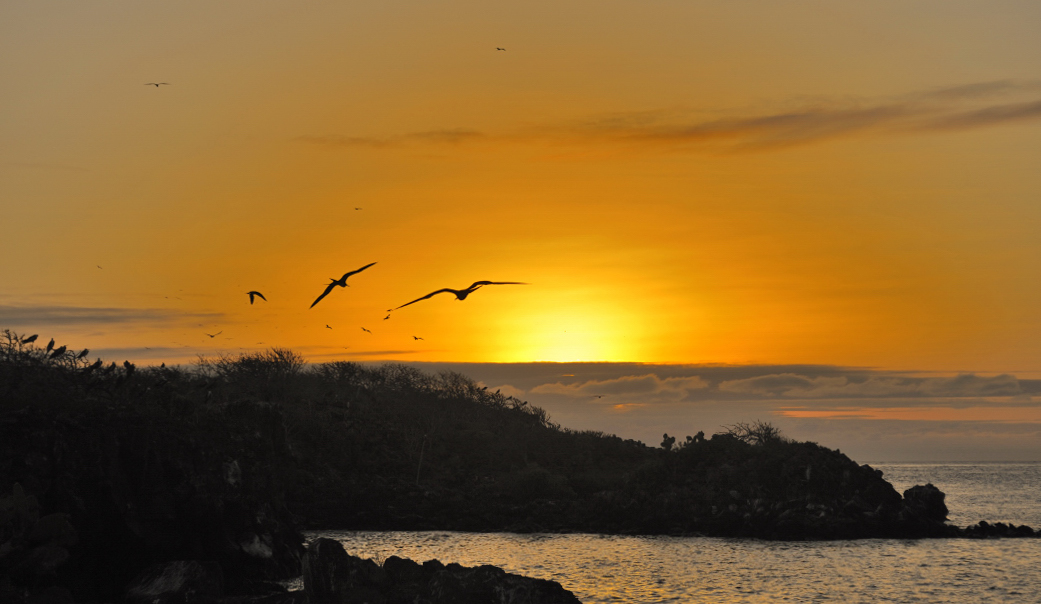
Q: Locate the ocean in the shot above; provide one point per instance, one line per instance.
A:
(646, 570)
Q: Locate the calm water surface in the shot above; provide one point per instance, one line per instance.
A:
(603, 568)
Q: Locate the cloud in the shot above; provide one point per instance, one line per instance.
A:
(39, 316)
(955, 108)
(790, 385)
(649, 386)
(451, 136)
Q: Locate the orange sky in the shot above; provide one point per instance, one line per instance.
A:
(818, 182)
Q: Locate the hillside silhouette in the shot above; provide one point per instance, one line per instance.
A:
(228, 459)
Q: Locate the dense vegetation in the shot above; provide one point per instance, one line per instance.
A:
(225, 459)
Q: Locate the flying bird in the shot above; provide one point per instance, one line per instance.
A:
(98, 265)
(342, 282)
(253, 294)
(386, 317)
(157, 84)
(497, 48)
(461, 294)
(365, 330)
(31, 339)
(416, 338)
(214, 335)
(327, 326)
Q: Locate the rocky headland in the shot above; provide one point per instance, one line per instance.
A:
(110, 473)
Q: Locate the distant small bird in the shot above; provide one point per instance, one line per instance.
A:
(214, 335)
(84, 353)
(342, 282)
(327, 326)
(98, 265)
(57, 353)
(157, 84)
(98, 363)
(386, 317)
(461, 294)
(598, 396)
(497, 48)
(357, 208)
(416, 338)
(255, 294)
(30, 339)
(50, 345)
(365, 330)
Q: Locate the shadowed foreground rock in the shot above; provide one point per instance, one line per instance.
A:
(176, 582)
(332, 576)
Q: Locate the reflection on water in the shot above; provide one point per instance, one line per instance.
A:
(646, 570)
(601, 569)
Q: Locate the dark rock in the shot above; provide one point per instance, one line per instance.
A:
(178, 582)
(926, 502)
(332, 576)
(326, 570)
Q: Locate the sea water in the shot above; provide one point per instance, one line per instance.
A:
(608, 568)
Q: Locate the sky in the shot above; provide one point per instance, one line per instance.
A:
(684, 186)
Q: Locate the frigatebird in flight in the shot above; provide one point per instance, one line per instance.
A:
(253, 294)
(157, 84)
(365, 330)
(416, 338)
(342, 282)
(214, 335)
(461, 294)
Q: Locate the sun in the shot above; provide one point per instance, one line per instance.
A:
(577, 332)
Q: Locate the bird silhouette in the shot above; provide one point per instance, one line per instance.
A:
(31, 339)
(461, 294)
(342, 282)
(416, 338)
(365, 330)
(253, 294)
(58, 352)
(84, 353)
(327, 326)
(386, 317)
(157, 84)
(50, 345)
(502, 49)
(214, 335)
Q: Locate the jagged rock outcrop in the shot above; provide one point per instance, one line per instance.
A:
(177, 582)
(332, 576)
(88, 500)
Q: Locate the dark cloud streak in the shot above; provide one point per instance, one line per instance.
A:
(20, 316)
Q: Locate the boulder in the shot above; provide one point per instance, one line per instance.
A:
(926, 502)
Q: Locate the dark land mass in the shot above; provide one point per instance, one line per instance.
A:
(109, 470)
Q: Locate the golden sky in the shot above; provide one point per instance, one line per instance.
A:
(825, 182)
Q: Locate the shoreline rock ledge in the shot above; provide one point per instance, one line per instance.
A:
(332, 576)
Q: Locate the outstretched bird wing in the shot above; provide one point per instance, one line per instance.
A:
(328, 289)
(255, 293)
(344, 277)
(477, 284)
(430, 295)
